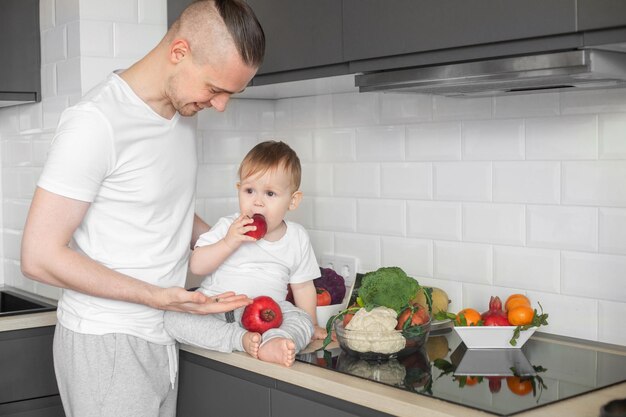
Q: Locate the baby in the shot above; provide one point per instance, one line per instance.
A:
(233, 261)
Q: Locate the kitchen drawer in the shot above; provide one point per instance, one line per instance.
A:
(26, 364)
(38, 407)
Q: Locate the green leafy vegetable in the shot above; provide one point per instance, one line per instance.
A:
(388, 287)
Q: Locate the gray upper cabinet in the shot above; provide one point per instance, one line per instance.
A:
(375, 28)
(299, 33)
(20, 71)
(601, 14)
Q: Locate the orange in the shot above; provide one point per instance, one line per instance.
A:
(516, 300)
(472, 317)
(521, 315)
(519, 386)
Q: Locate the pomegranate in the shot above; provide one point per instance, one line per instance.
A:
(495, 316)
(263, 314)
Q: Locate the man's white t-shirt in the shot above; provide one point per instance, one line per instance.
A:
(138, 171)
(261, 267)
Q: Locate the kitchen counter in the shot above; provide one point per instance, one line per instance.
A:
(371, 394)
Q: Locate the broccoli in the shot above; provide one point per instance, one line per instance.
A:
(389, 287)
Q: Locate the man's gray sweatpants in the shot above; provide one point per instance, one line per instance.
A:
(215, 332)
(113, 375)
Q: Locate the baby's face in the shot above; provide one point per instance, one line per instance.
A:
(270, 194)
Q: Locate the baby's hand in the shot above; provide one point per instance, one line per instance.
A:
(319, 333)
(236, 234)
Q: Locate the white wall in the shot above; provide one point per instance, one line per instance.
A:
(480, 197)
(477, 196)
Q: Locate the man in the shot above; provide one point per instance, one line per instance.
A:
(112, 218)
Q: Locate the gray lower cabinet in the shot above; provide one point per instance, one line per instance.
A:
(207, 387)
(38, 407)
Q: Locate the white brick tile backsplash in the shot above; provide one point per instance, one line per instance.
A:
(469, 181)
(9, 121)
(310, 112)
(355, 109)
(96, 69)
(14, 213)
(612, 230)
(47, 18)
(385, 143)
(96, 38)
(562, 227)
(209, 119)
(567, 137)
(66, 11)
(407, 180)
(436, 220)
(365, 248)
(11, 241)
(414, 256)
(217, 180)
(465, 262)
(335, 214)
(31, 118)
(144, 38)
(592, 101)
(51, 110)
(382, 217)
(303, 214)
(16, 152)
(254, 114)
(612, 136)
(594, 276)
(334, 145)
(494, 223)
(527, 105)
(301, 141)
(322, 242)
(40, 149)
(356, 180)
(405, 108)
(49, 80)
(74, 39)
(611, 318)
(594, 183)
(527, 182)
(561, 308)
(439, 141)
(527, 268)
(317, 180)
(227, 146)
(215, 208)
(153, 12)
(113, 10)
(68, 77)
(54, 45)
(449, 108)
(487, 140)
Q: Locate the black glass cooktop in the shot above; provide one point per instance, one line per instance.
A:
(503, 382)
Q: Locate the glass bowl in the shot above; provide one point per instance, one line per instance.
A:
(379, 345)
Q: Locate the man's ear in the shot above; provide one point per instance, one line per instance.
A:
(295, 200)
(179, 50)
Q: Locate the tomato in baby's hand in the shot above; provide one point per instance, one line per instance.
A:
(323, 296)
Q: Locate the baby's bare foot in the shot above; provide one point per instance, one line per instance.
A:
(279, 350)
(251, 342)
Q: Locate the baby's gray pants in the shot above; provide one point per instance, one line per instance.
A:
(213, 331)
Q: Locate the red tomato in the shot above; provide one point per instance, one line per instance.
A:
(323, 296)
(418, 315)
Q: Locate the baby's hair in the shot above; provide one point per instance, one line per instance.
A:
(270, 155)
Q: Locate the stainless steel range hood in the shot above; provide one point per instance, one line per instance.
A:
(592, 69)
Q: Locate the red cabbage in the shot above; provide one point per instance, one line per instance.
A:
(333, 283)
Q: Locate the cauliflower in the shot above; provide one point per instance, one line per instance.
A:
(374, 331)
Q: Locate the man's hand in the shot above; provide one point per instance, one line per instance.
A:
(179, 299)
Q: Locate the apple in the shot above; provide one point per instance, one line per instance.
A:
(258, 220)
(263, 314)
